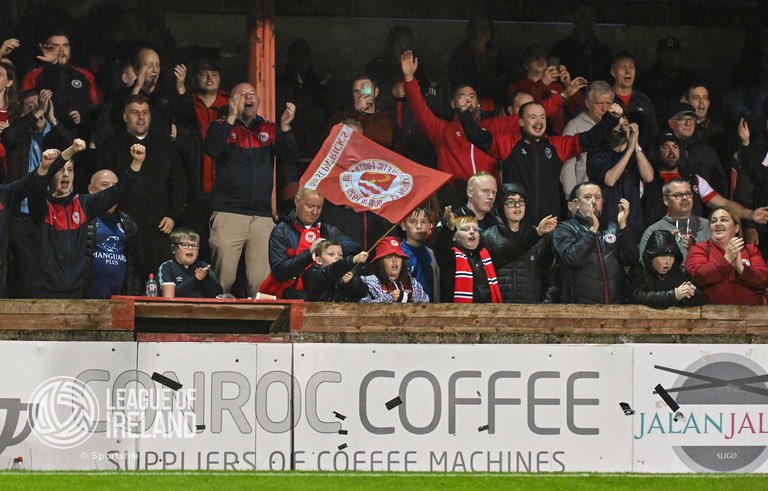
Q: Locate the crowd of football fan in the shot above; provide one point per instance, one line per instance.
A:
(583, 181)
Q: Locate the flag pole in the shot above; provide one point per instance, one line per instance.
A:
(380, 239)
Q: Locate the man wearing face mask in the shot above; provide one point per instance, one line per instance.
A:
(592, 258)
(619, 170)
(535, 160)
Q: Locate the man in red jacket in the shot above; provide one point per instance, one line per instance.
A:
(455, 154)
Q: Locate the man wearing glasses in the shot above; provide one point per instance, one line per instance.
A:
(698, 155)
(658, 198)
(686, 227)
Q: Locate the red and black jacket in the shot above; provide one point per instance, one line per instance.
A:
(63, 226)
(74, 89)
(244, 155)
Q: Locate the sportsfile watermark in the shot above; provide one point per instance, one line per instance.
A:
(65, 413)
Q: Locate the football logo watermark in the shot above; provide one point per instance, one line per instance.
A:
(67, 412)
(138, 412)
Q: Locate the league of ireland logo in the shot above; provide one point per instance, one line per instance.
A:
(67, 412)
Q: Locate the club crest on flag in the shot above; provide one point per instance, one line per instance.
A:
(372, 183)
(351, 170)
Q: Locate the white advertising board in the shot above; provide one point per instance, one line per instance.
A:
(722, 393)
(49, 418)
(239, 407)
(520, 408)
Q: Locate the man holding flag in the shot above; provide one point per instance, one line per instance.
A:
(349, 170)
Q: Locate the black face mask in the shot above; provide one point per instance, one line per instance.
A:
(617, 138)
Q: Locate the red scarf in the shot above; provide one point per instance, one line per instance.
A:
(463, 283)
(307, 237)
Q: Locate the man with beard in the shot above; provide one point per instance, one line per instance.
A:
(75, 93)
(668, 168)
(592, 259)
(534, 160)
(455, 154)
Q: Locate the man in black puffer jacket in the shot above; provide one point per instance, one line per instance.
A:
(530, 277)
(592, 260)
(661, 280)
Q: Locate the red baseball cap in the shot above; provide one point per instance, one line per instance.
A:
(389, 245)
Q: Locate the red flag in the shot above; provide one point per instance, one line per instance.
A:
(354, 171)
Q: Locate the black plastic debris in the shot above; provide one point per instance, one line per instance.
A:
(394, 403)
(667, 398)
(628, 411)
(163, 380)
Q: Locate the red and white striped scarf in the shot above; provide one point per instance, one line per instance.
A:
(463, 283)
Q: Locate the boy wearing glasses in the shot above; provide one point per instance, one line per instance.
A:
(185, 275)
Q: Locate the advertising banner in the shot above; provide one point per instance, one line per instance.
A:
(722, 421)
(238, 406)
(54, 403)
(393, 407)
(522, 408)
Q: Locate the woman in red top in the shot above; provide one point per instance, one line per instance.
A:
(726, 269)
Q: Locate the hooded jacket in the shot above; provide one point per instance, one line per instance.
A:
(650, 288)
(524, 260)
